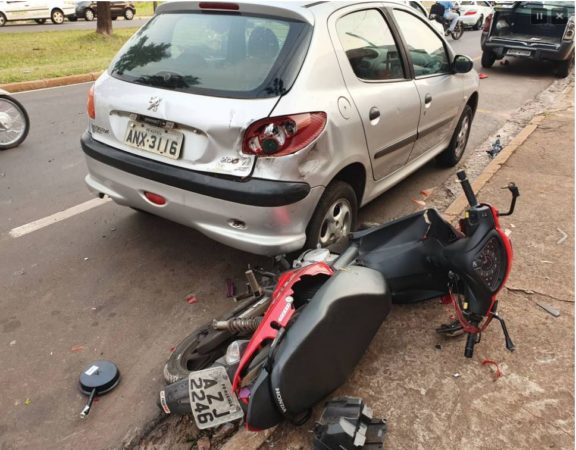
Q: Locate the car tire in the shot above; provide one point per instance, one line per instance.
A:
(2, 20)
(334, 218)
(488, 59)
(89, 15)
(114, 17)
(128, 14)
(453, 154)
(479, 23)
(40, 21)
(73, 19)
(563, 68)
(57, 16)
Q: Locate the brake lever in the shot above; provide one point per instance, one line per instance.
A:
(515, 194)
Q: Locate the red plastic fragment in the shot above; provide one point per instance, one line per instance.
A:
(191, 299)
(482, 75)
(490, 362)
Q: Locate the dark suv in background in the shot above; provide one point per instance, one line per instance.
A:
(87, 10)
(536, 30)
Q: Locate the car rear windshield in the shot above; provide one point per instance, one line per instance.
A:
(224, 55)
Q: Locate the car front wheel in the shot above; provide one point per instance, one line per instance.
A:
(453, 154)
(128, 14)
(57, 17)
(89, 15)
(335, 217)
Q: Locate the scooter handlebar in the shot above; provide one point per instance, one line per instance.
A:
(467, 188)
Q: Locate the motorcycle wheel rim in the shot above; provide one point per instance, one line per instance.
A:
(12, 122)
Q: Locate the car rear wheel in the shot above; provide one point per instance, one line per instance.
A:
(128, 14)
(479, 23)
(72, 18)
(453, 154)
(89, 15)
(488, 59)
(335, 217)
(40, 21)
(2, 20)
(57, 17)
(563, 69)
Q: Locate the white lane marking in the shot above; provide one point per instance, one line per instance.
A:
(57, 217)
(49, 88)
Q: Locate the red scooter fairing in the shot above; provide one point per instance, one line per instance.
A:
(321, 348)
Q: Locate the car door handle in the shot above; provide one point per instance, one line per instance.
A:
(428, 99)
(374, 113)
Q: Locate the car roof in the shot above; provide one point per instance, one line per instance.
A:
(303, 10)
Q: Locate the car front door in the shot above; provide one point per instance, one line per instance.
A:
(439, 89)
(378, 80)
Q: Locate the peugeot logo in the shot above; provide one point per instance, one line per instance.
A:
(154, 102)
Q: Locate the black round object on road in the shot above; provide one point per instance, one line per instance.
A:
(100, 376)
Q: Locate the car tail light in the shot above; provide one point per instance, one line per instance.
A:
(488, 23)
(155, 198)
(218, 5)
(283, 135)
(470, 13)
(91, 109)
(569, 32)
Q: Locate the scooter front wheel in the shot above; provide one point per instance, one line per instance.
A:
(458, 31)
(14, 122)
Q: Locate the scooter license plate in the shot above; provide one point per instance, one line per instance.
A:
(211, 398)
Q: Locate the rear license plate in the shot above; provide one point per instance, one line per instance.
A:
(154, 139)
(211, 398)
(519, 52)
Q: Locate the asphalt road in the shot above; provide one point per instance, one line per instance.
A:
(111, 282)
(31, 26)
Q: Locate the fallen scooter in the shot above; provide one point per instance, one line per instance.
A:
(14, 121)
(297, 336)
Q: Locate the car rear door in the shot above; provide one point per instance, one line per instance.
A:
(440, 91)
(375, 72)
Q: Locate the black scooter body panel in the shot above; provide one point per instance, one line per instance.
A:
(322, 347)
(409, 253)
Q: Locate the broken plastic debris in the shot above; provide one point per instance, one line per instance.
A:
(456, 375)
(549, 309)
(496, 147)
(490, 362)
(27, 402)
(77, 348)
(426, 192)
(482, 76)
(419, 202)
(86, 259)
(191, 299)
(12, 343)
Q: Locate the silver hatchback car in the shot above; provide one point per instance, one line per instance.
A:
(267, 125)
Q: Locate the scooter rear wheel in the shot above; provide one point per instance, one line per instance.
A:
(14, 122)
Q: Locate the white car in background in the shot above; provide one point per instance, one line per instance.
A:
(425, 13)
(37, 10)
(474, 13)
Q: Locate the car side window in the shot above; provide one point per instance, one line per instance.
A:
(370, 46)
(426, 49)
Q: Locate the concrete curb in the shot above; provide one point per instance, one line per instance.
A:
(454, 210)
(50, 82)
(244, 439)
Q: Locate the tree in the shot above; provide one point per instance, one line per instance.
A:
(104, 18)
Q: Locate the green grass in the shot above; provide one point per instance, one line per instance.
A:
(33, 56)
(144, 9)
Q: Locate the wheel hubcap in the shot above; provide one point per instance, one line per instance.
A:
(337, 223)
(12, 122)
(462, 137)
(58, 17)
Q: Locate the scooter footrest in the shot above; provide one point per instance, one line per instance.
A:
(347, 424)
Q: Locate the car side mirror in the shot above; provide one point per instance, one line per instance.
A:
(462, 64)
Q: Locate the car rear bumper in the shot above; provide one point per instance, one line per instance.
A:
(501, 50)
(263, 230)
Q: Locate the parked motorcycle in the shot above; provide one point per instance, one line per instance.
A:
(14, 121)
(297, 336)
(437, 14)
